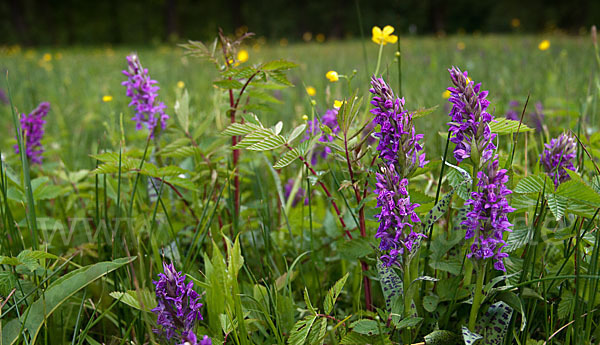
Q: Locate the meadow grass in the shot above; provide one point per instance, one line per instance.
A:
(265, 270)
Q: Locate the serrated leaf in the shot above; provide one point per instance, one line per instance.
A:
(424, 111)
(229, 84)
(530, 184)
(557, 205)
(301, 329)
(287, 159)
(580, 191)
(317, 333)
(263, 96)
(333, 294)
(355, 248)
(278, 65)
(366, 327)
(280, 77)
(505, 126)
(308, 302)
(518, 238)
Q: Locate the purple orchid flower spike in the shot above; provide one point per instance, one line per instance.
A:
(32, 127)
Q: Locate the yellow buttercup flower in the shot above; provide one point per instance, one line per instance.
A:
(544, 45)
(515, 23)
(242, 56)
(338, 104)
(332, 76)
(460, 45)
(180, 84)
(305, 117)
(384, 36)
(107, 98)
(446, 94)
(320, 38)
(311, 91)
(47, 57)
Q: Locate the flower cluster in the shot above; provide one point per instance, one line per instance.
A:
(469, 128)
(178, 307)
(400, 150)
(487, 222)
(398, 143)
(143, 93)
(558, 156)
(313, 128)
(32, 127)
(397, 215)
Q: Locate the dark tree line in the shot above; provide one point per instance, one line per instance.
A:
(33, 22)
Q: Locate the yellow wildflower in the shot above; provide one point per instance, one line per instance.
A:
(107, 98)
(338, 104)
(47, 57)
(305, 117)
(332, 76)
(515, 23)
(242, 55)
(307, 36)
(446, 94)
(384, 36)
(544, 45)
(460, 45)
(311, 91)
(320, 38)
(180, 84)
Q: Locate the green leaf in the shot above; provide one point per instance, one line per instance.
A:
(229, 84)
(430, 302)
(530, 184)
(494, 323)
(505, 126)
(182, 110)
(366, 327)
(55, 295)
(261, 140)
(287, 159)
(278, 65)
(143, 300)
(355, 248)
(308, 303)
(442, 337)
(409, 322)
(317, 333)
(333, 294)
(424, 111)
(557, 205)
(240, 129)
(296, 132)
(515, 303)
(580, 191)
(438, 210)
(469, 337)
(299, 333)
(518, 238)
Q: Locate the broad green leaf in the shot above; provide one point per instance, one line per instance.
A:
(317, 333)
(518, 238)
(494, 323)
(354, 338)
(55, 295)
(438, 210)
(430, 302)
(505, 126)
(132, 298)
(240, 129)
(515, 303)
(333, 294)
(580, 191)
(355, 248)
(409, 322)
(530, 184)
(367, 327)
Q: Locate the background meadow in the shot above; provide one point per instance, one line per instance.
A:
(83, 273)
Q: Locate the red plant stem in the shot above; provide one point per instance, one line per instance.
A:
(363, 229)
(333, 203)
